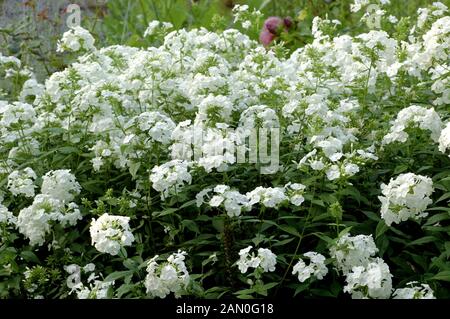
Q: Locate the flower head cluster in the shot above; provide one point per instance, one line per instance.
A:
(350, 251)
(22, 182)
(414, 291)
(76, 39)
(425, 119)
(244, 16)
(366, 276)
(315, 268)
(372, 280)
(232, 201)
(7, 217)
(110, 233)
(168, 276)
(35, 221)
(405, 197)
(61, 185)
(170, 177)
(265, 261)
(444, 139)
(54, 205)
(268, 197)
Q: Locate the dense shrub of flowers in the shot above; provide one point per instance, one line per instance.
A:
(101, 166)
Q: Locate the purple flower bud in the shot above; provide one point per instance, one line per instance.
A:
(274, 24)
(266, 37)
(288, 22)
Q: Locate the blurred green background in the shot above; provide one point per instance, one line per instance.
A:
(29, 29)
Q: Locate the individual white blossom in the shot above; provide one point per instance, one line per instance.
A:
(358, 4)
(111, 233)
(295, 193)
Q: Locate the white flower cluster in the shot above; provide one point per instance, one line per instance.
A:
(316, 267)
(110, 233)
(227, 81)
(444, 139)
(35, 221)
(168, 276)
(54, 204)
(267, 196)
(265, 261)
(242, 14)
(7, 217)
(31, 89)
(233, 202)
(414, 291)
(170, 177)
(60, 185)
(425, 119)
(350, 251)
(372, 280)
(407, 196)
(22, 182)
(17, 120)
(366, 276)
(76, 39)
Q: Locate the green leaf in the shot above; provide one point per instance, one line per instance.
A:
(29, 256)
(381, 228)
(437, 218)
(400, 168)
(68, 150)
(283, 242)
(289, 229)
(167, 211)
(423, 240)
(117, 275)
(443, 276)
(191, 225)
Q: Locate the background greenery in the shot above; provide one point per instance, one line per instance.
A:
(29, 29)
